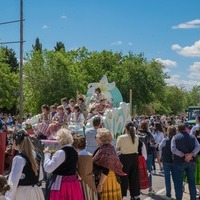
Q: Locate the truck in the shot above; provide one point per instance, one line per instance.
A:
(193, 112)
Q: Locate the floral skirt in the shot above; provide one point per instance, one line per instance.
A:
(111, 189)
(70, 189)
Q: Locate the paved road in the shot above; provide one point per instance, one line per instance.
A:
(159, 187)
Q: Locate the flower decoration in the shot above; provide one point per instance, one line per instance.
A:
(28, 126)
(104, 86)
(116, 118)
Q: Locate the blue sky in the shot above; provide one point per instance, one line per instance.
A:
(165, 30)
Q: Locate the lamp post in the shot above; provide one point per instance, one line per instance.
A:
(21, 62)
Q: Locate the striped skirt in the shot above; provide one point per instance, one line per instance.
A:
(111, 189)
(88, 193)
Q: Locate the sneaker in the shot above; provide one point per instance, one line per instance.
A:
(151, 191)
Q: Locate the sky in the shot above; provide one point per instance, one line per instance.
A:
(168, 31)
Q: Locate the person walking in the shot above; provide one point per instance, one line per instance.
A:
(147, 138)
(167, 158)
(185, 148)
(127, 144)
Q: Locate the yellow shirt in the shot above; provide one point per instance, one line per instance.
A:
(125, 144)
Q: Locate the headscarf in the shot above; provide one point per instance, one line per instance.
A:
(107, 157)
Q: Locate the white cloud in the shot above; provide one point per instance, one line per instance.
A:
(167, 62)
(176, 80)
(166, 70)
(130, 43)
(116, 43)
(188, 51)
(63, 17)
(187, 25)
(194, 71)
(45, 27)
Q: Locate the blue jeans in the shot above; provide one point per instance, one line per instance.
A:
(149, 168)
(189, 169)
(168, 171)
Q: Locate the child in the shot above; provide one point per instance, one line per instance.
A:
(4, 187)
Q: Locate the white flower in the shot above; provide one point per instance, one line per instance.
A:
(104, 86)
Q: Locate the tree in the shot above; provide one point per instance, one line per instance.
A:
(174, 99)
(146, 79)
(195, 95)
(10, 59)
(37, 46)
(9, 84)
(59, 46)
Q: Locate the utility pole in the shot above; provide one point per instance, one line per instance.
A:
(21, 62)
(21, 20)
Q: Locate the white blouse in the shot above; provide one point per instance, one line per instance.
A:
(50, 164)
(16, 174)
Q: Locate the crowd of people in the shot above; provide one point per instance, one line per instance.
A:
(93, 167)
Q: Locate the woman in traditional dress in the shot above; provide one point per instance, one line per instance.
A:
(127, 144)
(25, 173)
(63, 182)
(85, 168)
(142, 166)
(107, 167)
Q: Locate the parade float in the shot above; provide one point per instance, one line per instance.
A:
(114, 118)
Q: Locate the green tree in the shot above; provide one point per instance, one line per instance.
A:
(10, 59)
(9, 84)
(146, 79)
(175, 99)
(195, 95)
(37, 46)
(59, 46)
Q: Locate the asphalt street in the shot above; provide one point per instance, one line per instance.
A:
(160, 191)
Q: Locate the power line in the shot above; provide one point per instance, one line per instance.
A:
(11, 42)
(10, 22)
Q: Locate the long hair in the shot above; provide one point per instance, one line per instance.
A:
(131, 130)
(25, 146)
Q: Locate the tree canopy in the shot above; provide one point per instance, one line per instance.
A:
(50, 75)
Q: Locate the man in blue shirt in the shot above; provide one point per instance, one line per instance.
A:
(185, 148)
(90, 135)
